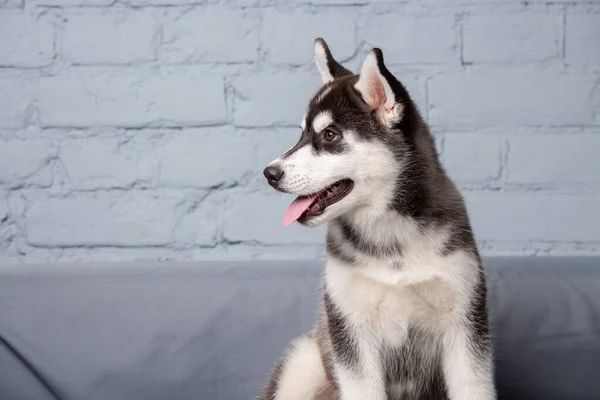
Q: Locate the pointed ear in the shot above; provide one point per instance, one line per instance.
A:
(374, 85)
(328, 67)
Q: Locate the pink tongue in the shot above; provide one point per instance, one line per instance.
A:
(295, 210)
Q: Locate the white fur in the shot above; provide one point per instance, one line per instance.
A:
(369, 385)
(418, 286)
(303, 375)
(322, 121)
(398, 391)
(321, 62)
(466, 377)
(381, 297)
(368, 382)
(371, 165)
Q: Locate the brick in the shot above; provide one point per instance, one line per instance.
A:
(16, 99)
(132, 99)
(205, 158)
(7, 233)
(24, 40)
(110, 37)
(210, 35)
(556, 160)
(107, 219)
(17, 202)
(413, 40)
(69, 3)
(472, 157)
(20, 254)
(244, 252)
(487, 2)
(112, 255)
(522, 37)
(96, 163)
(11, 3)
(26, 161)
(289, 37)
(266, 99)
(165, 2)
(582, 40)
(507, 99)
(4, 210)
(199, 222)
(252, 3)
(338, 2)
(514, 217)
(258, 217)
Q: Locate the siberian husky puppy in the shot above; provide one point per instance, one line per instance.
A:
(404, 295)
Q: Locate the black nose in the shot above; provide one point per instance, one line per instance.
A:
(273, 174)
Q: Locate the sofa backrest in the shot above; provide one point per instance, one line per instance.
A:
(213, 331)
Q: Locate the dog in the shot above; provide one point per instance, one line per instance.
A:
(404, 313)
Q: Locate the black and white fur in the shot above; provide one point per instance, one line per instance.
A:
(404, 300)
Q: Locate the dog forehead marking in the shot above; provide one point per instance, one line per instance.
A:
(322, 120)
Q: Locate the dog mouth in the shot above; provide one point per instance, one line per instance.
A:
(312, 205)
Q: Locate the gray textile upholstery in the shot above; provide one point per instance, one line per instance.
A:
(213, 330)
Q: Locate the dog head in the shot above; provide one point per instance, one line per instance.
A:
(354, 143)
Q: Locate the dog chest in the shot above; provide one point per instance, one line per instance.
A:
(388, 301)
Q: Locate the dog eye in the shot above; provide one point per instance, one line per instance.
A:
(329, 135)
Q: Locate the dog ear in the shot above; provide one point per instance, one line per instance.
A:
(375, 86)
(328, 67)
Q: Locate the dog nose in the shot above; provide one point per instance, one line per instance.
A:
(273, 174)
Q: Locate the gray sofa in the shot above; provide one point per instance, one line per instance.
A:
(213, 330)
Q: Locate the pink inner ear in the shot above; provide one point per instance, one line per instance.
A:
(376, 91)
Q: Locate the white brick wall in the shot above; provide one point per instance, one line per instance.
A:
(204, 158)
(26, 162)
(401, 38)
(253, 105)
(140, 128)
(510, 98)
(105, 163)
(11, 4)
(67, 3)
(109, 36)
(582, 38)
(554, 160)
(189, 36)
(105, 219)
(131, 99)
(16, 98)
(522, 37)
(474, 158)
(281, 28)
(25, 41)
(529, 217)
